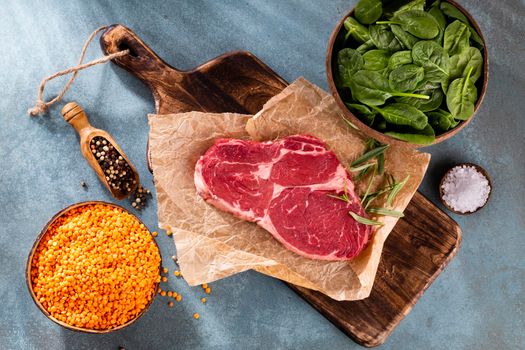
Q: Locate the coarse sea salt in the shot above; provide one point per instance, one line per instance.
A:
(465, 189)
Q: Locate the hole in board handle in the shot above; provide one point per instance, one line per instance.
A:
(123, 45)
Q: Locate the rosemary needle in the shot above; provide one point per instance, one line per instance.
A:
(369, 155)
(381, 163)
(395, 190)
(350, 124)
(361, 167)
(363, 220)
(386, 212)
(369, 186)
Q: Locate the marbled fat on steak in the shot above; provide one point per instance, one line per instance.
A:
(283, 186)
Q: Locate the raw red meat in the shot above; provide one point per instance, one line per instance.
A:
(283, 186)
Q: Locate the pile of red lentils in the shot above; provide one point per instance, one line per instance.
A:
(97, 267)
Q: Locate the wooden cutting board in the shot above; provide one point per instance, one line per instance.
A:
(417, 250)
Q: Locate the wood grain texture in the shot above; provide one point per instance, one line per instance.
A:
(417, 250)
(236, 82)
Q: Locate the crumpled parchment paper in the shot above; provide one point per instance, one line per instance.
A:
(212, 244)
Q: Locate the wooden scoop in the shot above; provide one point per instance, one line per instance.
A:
(74, 115)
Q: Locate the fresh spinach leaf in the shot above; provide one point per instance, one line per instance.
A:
(435, 100)
(403, 114)
(386, 61)
(380, 123)
(456, 38)
(368, 11)
(412, 5)
(445, 83)
(406, 78)
(399, 58)
(371, 88)
(356, 30)
(441, 120)
(435, 12)
(474, 36)
(363, 112)
(453, 12)
(383, 38)
(376, 59)
(349, 61)
(421, 137)
(416, 22)
(433, 58)
(438, 15)
(461, 63)
(428, 85)
(461, 97)
(406, 39)
(369, 45)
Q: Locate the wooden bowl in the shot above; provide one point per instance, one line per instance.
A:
(478, 168)
(30, 260)
(336, 38)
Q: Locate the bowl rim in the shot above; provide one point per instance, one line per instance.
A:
(36, 244)
(478, 168)
(380, 136)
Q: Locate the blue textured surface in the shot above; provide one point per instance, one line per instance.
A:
(476, 303)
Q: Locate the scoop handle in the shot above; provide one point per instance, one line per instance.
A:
(74, 115)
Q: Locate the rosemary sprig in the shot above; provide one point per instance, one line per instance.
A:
(386, 212)
(369, 155)
(350, 124)
(344, 197)
(369, 185)
(395, 190)
(362, 167)
(363, 220)
(381, 164)
(362, 173)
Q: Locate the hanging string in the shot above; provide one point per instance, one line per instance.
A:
(40, 105)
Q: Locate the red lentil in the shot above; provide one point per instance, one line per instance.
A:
(96, 267)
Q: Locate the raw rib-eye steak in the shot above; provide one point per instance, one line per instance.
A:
(283, 186)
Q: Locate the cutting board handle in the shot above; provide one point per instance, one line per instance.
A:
(141, 61)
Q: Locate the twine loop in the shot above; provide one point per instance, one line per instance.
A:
(40, 105)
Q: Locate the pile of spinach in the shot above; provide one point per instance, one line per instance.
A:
(407, 69)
